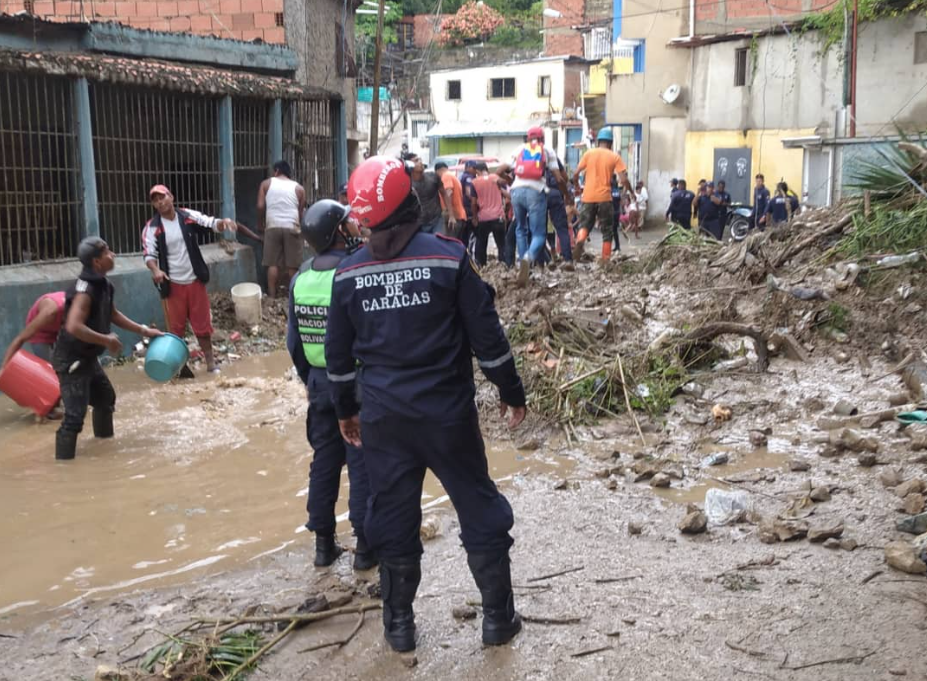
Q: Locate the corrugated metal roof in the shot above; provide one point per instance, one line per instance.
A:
(492, 128)
(159, 74)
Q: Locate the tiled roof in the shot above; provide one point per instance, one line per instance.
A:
(159, 74)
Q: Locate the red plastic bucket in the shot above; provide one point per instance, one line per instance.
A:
(30, 382)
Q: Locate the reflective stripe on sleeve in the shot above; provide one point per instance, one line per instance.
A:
(493, 363)
(342, 378)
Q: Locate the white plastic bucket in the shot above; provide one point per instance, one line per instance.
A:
(247, 300)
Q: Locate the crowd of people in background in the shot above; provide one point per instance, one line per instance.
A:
(710, 206)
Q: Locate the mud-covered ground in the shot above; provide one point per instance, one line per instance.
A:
(650, 602)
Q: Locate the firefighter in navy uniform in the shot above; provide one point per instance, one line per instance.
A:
(89, 312)
(411, 308)
(327, 229)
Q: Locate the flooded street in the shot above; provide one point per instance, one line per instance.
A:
(203, 476)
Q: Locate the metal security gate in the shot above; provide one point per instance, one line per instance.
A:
(145, 137)
(733, 167)
(39, 197)
(309, 146)
(250, 135)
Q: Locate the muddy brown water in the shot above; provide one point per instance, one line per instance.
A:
(202, 476)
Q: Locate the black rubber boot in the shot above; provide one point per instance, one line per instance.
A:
(493, 576)
(327, 550)
(364, 558)
(399, 579)
(102, 423)
(65, 445)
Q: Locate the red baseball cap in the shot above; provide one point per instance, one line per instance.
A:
(159, 189)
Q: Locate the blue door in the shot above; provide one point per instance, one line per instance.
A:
(573, 135)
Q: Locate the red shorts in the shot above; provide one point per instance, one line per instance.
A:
(189, 301)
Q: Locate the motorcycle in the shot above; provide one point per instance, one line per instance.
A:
(738, 221)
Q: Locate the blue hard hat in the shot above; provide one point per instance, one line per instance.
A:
(606, 135)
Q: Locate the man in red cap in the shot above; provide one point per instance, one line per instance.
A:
(177, 266)
(410, 310)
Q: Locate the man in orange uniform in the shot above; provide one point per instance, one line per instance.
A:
(600, 164)
(453, 188)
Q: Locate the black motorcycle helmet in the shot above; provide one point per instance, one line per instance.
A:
(320, 223)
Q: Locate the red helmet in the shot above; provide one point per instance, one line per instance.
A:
(536, 133)
(377, 188)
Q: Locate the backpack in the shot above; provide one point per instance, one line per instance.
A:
(530, 162)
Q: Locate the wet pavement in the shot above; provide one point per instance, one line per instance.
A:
(202, 476)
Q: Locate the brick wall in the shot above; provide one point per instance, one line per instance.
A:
(238, 19)
(559, 38)
(721, 16)
(423, 31)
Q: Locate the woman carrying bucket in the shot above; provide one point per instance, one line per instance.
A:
(89, 311)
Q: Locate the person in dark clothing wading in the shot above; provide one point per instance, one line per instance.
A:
(412, 310)
(327, 229)
(89, 311)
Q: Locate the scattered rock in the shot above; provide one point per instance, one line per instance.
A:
(643, 470)
(716, 459)
(829, 452)
(899, 399)
(890, 478)
(816, 535)
(799, 465)
(782, 530)
(660, 480)
(612, 484)
(832, 543)
(603, 472)
(841, 357)
(674, 472)
(819, 494)
(695, 522)
(431, 527)
(913, 503)
(463, 612)
(848, 544)
(916, 524)
(867, 460)
(813, 405)
(409, 659)
(721, 412)
(106, 672)
(901, 556)
(913, 486)
(635, 528)
(845, 408)
(787, 344)
(870, 422)
(920, 547)
(897, 671)
(529, 445)
(917, 433)
(847, 438)
(758, 438)
(630, 621)
(561, 484)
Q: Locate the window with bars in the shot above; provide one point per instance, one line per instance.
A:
(309, 146)
(741, 56)
(405, 33)
(501, 88)
(250, 132)
(39, 193)
(597, 43)
(144, 137)
(453, 90)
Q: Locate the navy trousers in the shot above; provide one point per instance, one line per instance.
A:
(556, 208)
(330, 454)
(87, 385)
(398, 452)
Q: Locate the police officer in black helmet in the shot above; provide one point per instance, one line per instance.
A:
(327, 228)
(89, 312)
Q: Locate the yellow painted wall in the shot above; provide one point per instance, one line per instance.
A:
(598, 74)
(769, 156)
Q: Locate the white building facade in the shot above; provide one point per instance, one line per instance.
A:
(487, 110)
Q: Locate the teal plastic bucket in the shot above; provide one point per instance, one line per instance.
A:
(165, 357)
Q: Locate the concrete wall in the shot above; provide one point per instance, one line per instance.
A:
(634, 98)
(887, 77)
(238, 19)
(475, 105)
(790, 84)
(312, 32)
(768, 156)
(136, 297)
(501, 147)
(664, 149)
(559, 36)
